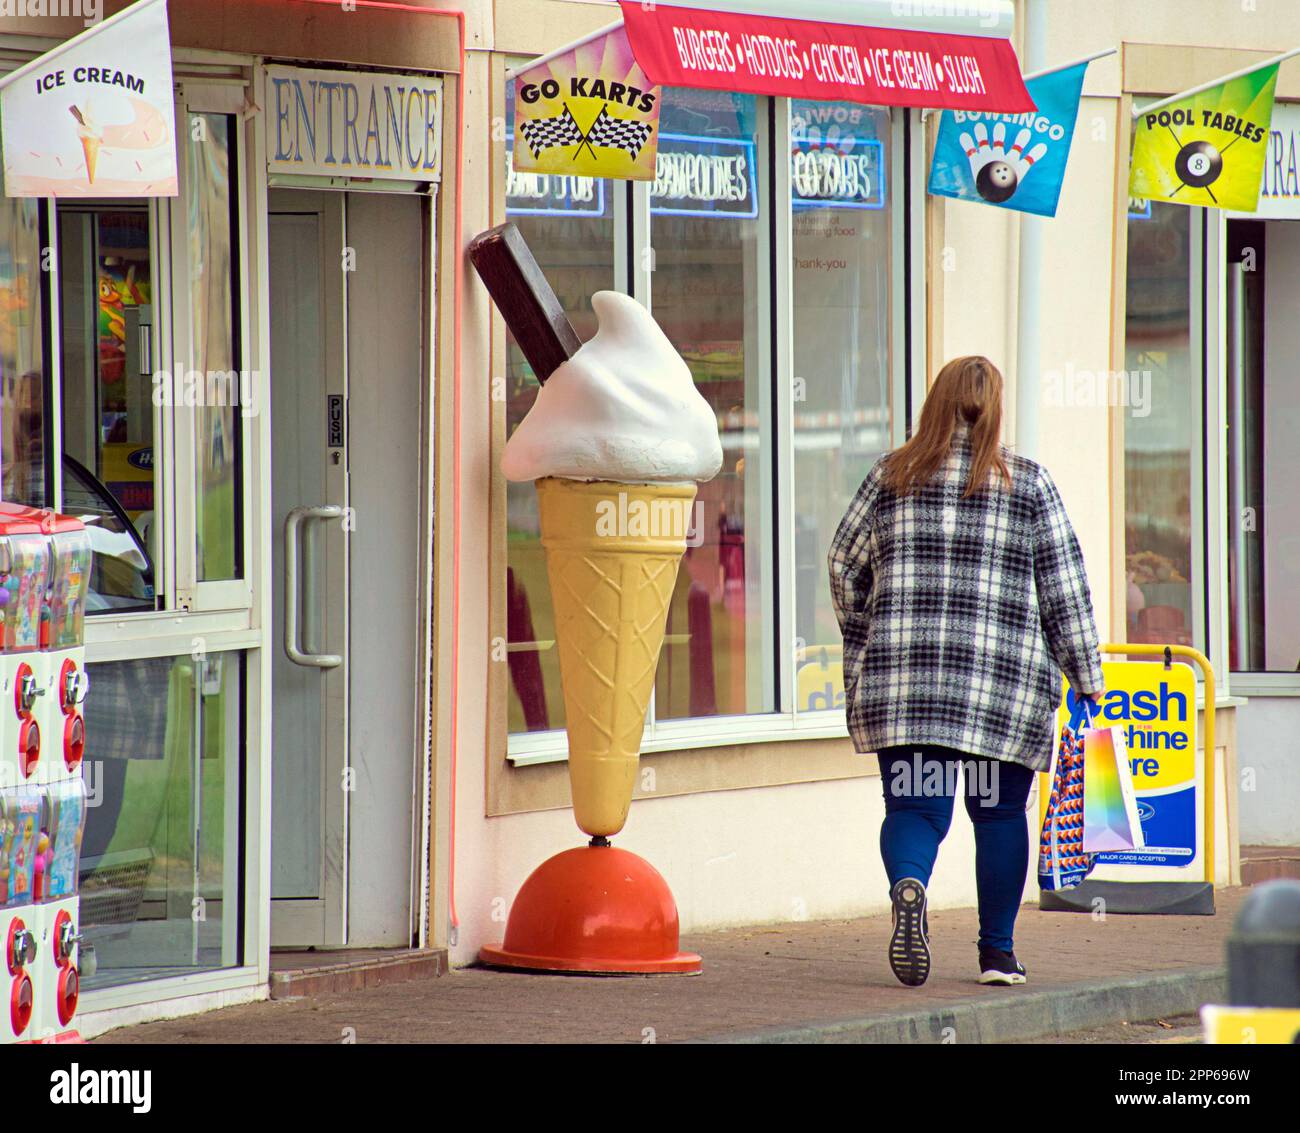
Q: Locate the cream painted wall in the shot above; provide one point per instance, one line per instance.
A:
(1080, 27)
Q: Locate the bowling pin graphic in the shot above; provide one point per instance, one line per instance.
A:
(1026, 163)
(999, 142)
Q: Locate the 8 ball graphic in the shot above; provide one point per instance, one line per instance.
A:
(1198, 164)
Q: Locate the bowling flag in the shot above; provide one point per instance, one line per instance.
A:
(94, 116)
(587, 111)
(1014, 161)
(1206, 147)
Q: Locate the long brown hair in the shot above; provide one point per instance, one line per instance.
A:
(967, 389)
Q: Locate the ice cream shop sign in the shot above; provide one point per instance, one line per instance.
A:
(354, 124)
(94, 116)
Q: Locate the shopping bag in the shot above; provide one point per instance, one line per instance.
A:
(1110, 813)
(1062, 862)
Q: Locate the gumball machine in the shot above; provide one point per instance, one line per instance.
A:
(60, 671)
(20, 825)
(24, 575)
(55, 970)
(60, 665)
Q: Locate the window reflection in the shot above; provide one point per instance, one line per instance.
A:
(1158, 446)
(214, 345)
(22, 354)
(162, 774)
(106, 297)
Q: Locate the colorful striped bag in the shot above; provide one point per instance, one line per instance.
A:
(1062, 864)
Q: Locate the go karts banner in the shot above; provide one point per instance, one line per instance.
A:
(94, 117)
(587, 112)
(1208, 148)
(1014, 161)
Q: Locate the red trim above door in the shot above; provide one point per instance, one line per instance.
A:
(774, 55)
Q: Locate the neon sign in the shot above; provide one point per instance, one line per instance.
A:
(848, 173)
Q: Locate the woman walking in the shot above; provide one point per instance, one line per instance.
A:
(962, 596)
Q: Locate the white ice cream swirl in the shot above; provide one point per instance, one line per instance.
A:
(623, 408)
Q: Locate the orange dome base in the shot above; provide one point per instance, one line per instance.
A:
(593, 909)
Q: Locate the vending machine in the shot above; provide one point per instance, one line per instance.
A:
(24, 576)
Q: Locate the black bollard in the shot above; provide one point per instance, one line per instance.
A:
(1264, 948)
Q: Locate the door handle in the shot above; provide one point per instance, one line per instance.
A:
(293, 524)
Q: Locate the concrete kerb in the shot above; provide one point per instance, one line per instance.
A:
(1019, 1016)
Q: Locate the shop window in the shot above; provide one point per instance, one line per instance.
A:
(843, 408)
(709, 228)
(1159, 445)
(712, 277)
(159, 884)
(108, 416)
(569, 225)
(1263, 402)
(22, 353)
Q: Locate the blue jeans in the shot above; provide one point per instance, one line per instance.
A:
(920, 782)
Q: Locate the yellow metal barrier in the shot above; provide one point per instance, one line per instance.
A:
(1207, 670)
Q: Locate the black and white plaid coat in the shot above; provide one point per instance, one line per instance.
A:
(959, 614)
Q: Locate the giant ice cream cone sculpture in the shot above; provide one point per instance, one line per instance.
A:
(610, 590)
(615, 442)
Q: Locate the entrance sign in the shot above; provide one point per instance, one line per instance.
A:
(1205, 148)
(95, 117)
(1155, 708)
(813, 59)
(587, 110)
(1014, 161)
(353, 124)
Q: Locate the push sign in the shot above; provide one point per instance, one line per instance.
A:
(334, 422)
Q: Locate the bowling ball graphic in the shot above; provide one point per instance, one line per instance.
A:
(1198, 164)
(996, 181)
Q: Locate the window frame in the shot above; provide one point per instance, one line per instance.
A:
(907, 377)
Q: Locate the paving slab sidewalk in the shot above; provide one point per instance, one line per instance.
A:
(823, 981)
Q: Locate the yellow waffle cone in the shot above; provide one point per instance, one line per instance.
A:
(90, 147)
(612, 552)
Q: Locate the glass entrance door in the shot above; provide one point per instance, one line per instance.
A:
(348, 381)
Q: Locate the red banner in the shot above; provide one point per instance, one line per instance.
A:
(772, 55)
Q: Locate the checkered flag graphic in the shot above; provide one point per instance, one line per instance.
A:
(619, 133)
(546, 133)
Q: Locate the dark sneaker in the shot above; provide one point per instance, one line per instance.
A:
(998, 967)
(909, 948)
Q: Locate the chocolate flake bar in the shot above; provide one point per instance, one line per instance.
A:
(525, 299)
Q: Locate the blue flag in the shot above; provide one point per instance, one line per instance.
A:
(1014, 161)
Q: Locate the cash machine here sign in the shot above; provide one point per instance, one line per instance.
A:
(1156, 709)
